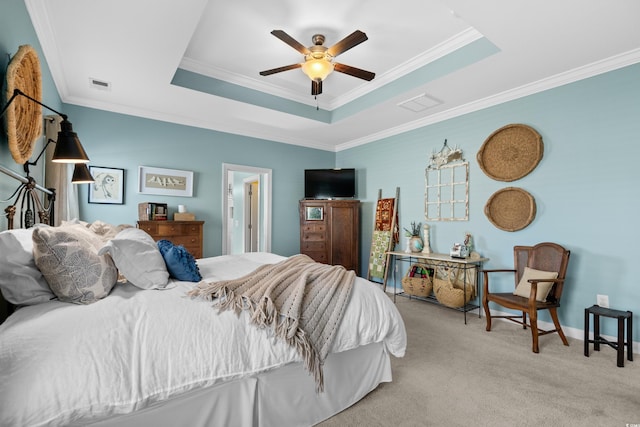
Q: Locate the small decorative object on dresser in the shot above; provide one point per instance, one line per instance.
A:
(185, 233)
(184, 216)
(149, 211)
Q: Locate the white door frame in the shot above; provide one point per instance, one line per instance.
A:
(266, 175)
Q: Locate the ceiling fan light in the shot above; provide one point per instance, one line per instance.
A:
(317, 69)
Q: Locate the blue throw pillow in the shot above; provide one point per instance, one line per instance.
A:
(180, 263)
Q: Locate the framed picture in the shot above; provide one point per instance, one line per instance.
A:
(166, 182)
(314, 213)
(108, 185)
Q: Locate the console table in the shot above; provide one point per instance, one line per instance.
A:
(466, 265)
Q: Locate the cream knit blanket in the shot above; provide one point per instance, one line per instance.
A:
(301, 300)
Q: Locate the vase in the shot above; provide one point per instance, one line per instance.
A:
(415, 244)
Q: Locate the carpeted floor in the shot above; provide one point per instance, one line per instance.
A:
(460, 375)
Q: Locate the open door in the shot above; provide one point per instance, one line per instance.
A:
(385, 237)
(252, 214)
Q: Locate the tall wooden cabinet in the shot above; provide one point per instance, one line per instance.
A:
(330, 232)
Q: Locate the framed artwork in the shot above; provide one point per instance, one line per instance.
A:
(165, 182)
(108, 185)
(314, 213)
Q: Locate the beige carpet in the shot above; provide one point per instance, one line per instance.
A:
(460, 375)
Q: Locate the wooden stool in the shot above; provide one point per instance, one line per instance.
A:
(598, 311)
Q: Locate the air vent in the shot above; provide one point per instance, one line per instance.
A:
(99, 84)
(420, 103)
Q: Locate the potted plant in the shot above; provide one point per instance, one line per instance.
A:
(414, 243)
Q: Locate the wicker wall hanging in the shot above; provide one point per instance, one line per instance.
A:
(23, 117)
(510, 152)
(510, 209)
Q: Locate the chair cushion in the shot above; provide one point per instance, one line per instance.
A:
(524, 287)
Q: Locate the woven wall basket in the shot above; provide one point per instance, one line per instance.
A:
(511, 209)
(510, 152)
(23, 117)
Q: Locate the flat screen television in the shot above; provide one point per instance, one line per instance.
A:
(329, 183)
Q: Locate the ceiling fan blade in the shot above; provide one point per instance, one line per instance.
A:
(291, 41)
(316, 87)
(280, 69)
(347, 43)
(353, 71)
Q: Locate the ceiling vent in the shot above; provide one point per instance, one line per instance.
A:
(420, 103)
(99, 84)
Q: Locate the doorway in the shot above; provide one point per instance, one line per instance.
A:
(246, 209)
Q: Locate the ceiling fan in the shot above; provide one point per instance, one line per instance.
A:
(318, 59)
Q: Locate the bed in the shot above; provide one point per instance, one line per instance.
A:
(152, 355)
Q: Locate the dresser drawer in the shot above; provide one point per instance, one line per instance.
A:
(317, 256)
(186, 240)
(170, 229)
(313, 246)
(185, 233)
(314, 228)
(150, 228)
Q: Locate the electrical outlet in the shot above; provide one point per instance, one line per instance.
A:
(602, 301)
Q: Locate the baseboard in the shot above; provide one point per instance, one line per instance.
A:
(570, 332)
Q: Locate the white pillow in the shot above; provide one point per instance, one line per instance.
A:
(21, 283)
(524, 287)
(69, 261)
(138, 258)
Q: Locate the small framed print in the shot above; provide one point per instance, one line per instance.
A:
(108, 185)
(314, 213)
(165, 182)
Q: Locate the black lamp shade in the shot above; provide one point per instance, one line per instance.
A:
(81, 174)
(68, 146)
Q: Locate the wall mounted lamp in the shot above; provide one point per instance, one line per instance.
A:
(68, 146)
(81, 174)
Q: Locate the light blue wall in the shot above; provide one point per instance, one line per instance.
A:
(586, 186)
(16, 30)
(120, 141)
(127, 142)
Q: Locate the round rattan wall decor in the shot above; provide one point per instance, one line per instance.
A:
(23, 116)
(510, 209)
(510, 152)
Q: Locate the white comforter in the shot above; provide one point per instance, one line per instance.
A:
(66, 364)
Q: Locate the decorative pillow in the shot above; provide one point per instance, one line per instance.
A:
(138, 258)
(21, 282)
(69, 261)
(106, 231)
(102, 229)
(180, 263)
(524, 287)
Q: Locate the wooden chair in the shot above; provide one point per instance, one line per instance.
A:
(545, 257)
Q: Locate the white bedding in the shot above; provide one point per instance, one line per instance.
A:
(65, 364)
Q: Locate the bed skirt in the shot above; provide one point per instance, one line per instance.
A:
(284, 397)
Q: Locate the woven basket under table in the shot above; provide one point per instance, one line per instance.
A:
(417, 286)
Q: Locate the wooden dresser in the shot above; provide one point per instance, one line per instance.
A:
(330, 232)
(185, 233)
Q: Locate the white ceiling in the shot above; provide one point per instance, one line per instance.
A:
(137, 47)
